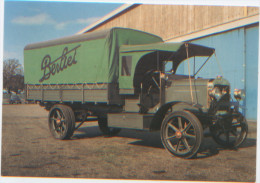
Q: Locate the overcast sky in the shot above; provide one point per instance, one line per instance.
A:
(29, 22)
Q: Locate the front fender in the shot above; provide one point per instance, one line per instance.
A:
(171, 106)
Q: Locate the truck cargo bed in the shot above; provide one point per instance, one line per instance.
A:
(72, 93)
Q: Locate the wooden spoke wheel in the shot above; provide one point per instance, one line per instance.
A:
(107, 131)
(232, 134)
(181, 134)
(61, 122)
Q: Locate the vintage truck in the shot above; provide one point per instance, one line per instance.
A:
(126, 78)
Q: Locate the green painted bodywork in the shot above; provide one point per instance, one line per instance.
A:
(86, 58)
(172, 47)
(126, 82)
(221, 81)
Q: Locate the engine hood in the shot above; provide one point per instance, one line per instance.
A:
(220, 81)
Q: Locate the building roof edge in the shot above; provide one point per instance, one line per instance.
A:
(106, 18)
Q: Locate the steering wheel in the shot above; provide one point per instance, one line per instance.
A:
(150, 81)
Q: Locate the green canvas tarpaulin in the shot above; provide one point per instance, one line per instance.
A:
(179, 51)
(86, 58)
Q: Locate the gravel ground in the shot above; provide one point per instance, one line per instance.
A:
(28, 150)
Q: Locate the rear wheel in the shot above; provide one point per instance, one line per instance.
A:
(61, 122)
(181, 134)
(108, 131)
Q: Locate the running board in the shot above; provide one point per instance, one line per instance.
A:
(130, 120)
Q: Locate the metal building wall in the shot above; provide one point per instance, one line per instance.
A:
(251, 48)
(237, 55)
(171, 21)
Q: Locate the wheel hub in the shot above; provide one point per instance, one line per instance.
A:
(58, 121)
(178, 134)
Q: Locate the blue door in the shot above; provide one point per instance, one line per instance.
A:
(252, 42)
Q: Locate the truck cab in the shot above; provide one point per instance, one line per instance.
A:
(156, 98)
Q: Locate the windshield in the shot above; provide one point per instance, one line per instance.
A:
(168, 66)
(194, 63)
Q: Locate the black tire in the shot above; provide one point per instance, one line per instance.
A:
(232, 136)
(107, 131)
(182, 134)
(61, 121)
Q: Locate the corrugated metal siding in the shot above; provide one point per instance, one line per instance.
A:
(229, 50)
(252, 43)
(237, 53)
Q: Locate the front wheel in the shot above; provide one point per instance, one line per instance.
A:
(182, 134)
(230, 133)
(61, 122)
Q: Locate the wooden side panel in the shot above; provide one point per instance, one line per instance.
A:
(72, 95)
(52, 95)
(95, 95)
(170, 21)
(34, 94)
(68, 95)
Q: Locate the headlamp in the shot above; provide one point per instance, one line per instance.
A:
(216, 93)
(239, 94)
